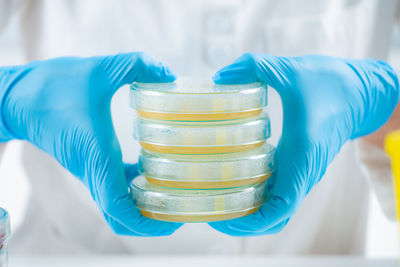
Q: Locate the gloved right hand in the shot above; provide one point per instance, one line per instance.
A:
(62, 106)
(326, 102)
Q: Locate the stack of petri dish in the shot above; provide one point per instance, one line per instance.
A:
(4, 234)
(205, 156)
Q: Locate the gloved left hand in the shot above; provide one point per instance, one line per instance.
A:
(62, 106)
(326, 102)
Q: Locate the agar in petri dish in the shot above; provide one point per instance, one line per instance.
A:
(208, 171)
(211, 137)
(189, 99)
(196, 205)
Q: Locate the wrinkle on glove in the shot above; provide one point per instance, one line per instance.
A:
(326, 102)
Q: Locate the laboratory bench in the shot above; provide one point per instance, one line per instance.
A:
(196, 261)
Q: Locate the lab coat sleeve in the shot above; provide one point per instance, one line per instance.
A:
(376, 166)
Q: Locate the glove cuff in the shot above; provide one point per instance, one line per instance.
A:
(7, 75)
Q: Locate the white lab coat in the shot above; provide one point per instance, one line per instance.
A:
(197, 38)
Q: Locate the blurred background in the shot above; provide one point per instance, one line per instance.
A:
(382, 235)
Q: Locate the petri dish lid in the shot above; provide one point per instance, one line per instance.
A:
(4, 225)
(189, 99)
(192, 205)
(206, 137)
(208, 171)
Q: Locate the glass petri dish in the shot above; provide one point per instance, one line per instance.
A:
(191, 205)
(208, 171)
(211, 137)
(4, 234)
(189, 99)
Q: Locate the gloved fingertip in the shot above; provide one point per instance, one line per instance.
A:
(168, 75)
(150, 228)
(156, 73)
(122, 69)
(236, 73)
(252, 224)
(222, 228)
(225, 228)
(277, 228)
(217, 77)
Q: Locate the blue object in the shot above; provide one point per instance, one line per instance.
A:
(326, 101)
(62, 106)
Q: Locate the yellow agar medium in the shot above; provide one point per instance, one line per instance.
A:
(197, 218)
(199, 150)
(208, 185)
(198, 117)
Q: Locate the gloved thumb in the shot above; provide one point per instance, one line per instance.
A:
(252, 67)
(126, 68)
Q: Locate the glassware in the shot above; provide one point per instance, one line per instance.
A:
(211, 137)
(196, 205)
(188, 99)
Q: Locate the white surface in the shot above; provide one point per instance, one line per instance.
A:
(116, 261)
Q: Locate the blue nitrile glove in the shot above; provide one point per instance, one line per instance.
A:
(62, 106)
(326, 101)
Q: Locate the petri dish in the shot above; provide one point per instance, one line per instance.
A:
(4, 234)
(189, 99)
(208, 171)
(211, 137)
(196, 205)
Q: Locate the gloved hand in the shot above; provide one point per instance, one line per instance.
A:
(326, 101)
(62, 106)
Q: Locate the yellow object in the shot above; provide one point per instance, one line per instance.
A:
(196, 218)
(392, 147)
(199, 150)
